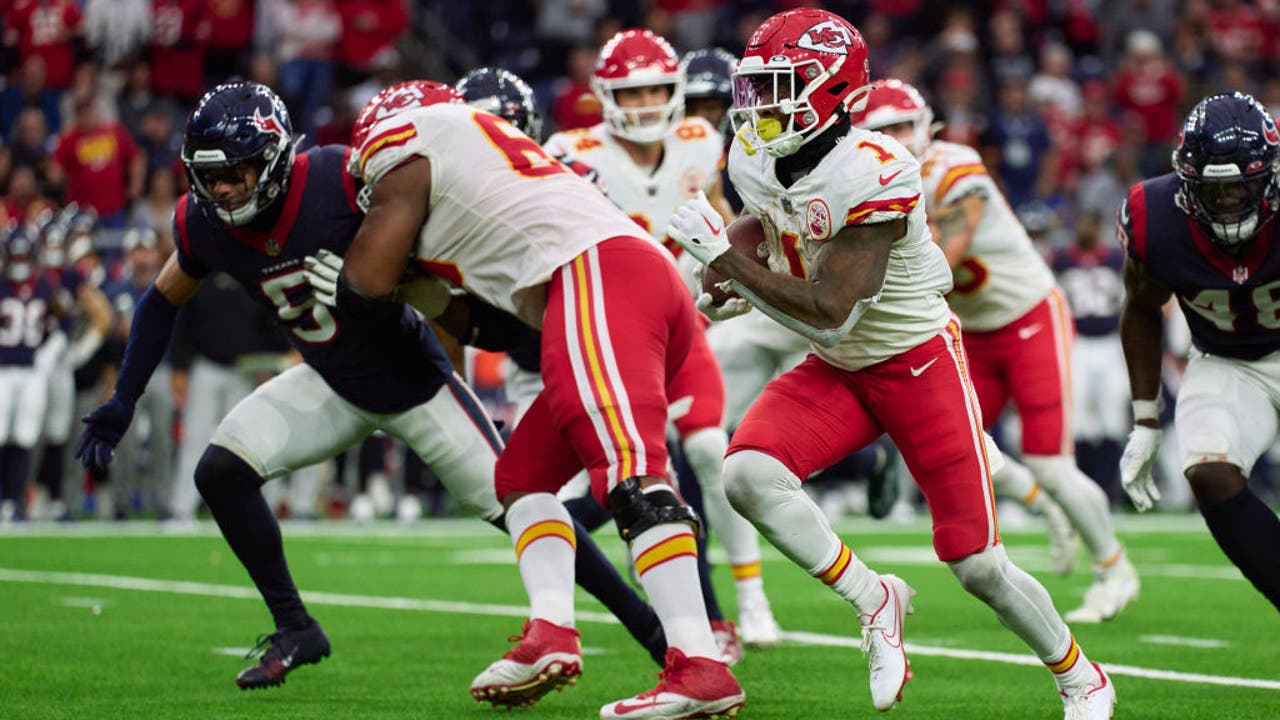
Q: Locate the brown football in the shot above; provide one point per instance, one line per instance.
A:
(745, 235)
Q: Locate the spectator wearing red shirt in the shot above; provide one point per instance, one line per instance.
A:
(370, 30)
(1148, 88)
(179, 42)
(575, 105)
(99, 165)
(1093, 137)
(230, 37)
(1237, 30)
(49, 29)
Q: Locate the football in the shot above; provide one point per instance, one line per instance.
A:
(745, 235)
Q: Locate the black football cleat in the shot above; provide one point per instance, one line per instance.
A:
(282, 651)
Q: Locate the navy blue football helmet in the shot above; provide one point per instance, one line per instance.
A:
(709, 76)
(237, 127)
(19, 261)
(504, 94)
(1228, 159)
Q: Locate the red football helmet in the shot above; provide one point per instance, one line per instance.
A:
(801, 69)
(398, 98)
(638, 58)
(893, 102)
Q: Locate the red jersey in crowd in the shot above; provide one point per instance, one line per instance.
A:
(96, 162)
(370, 29)
(230, 24)
(575, 107)
(45, 28)
(179, 38)
(1153, 97)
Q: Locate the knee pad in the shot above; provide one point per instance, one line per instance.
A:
(754, 481)
(222, 471)
(982, 574)
(636, 509)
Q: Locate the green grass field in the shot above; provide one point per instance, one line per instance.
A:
(122, 621)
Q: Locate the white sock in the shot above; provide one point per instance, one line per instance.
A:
(542, 531)
(1015, 482)
(705, 451)
(769, 494)
(666, 558)
(1070, 667)
(1084, 503)
(1020, 602)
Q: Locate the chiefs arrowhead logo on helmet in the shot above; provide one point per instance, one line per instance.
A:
(828, 37)
(267, 124)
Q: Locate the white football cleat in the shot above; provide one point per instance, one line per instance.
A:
(882, 643)
(547, 658)
(757, 627)
(688, 687)
(1064, 541)
(1113, 588)
(1093, 701)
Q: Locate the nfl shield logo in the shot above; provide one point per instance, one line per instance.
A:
(272, 247)
(1240, 274)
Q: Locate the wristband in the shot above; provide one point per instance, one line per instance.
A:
(1146, 410)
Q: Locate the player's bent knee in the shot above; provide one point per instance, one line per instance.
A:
(754, 482)
(705, 450)
(636, 509)
(1213, 483)
(983, 574)
(222, 471)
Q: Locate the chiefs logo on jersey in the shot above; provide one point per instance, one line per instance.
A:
(827, 37)
(818, 217)
(270, 123)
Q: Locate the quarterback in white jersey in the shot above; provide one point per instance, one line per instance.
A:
(1018, 335)
(856, 272)
(651, 161)
(519, 230)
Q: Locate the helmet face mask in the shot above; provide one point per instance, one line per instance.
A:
(239, 135)
(635, 59)
(1228, 162)
(803, 70)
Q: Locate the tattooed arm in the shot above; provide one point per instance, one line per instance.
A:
(954, 224)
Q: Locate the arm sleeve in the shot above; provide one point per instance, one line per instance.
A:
(149, 337)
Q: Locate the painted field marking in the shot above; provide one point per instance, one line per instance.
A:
(120, 582)
(1208, 643)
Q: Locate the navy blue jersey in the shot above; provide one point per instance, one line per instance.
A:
(1232, 303)
(379, 369)
(1094, 283)
(25, 322)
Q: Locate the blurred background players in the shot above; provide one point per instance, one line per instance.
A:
(651, 158)
(1018, 339)
(1206, 235)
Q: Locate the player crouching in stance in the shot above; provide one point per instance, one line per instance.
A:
(480, 203)
(851, 266)
(1206, 233)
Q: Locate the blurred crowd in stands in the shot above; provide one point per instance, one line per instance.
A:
(1069, 101)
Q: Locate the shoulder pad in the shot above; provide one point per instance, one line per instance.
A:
(883, 180)
(390, 143)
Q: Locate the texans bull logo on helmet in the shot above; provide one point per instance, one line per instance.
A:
(269, 124)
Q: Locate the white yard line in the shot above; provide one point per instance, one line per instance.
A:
(120, 582)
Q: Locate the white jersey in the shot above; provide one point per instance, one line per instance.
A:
(503, 215)
(866, 178)
(1001, 277)
(692, 156)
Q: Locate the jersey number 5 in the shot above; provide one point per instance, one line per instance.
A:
(321, 328)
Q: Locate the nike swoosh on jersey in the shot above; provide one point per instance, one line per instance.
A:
(917, 372)
(886, 180)
(1029, 331)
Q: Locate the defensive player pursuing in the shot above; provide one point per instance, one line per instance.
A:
(515, 227)
(852, 267)
(1206, 234)
(1018, 335)
(254, 212)
(652, 158)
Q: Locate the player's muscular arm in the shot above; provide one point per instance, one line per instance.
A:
(397, 210)
(1142, 331)
(175, 284)
(848, 276)
(954, 225)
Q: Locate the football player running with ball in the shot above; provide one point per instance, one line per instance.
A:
(852, 267)
(1206, 234)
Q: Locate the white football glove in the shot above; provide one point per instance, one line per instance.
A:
(699, 229)
(321, 271)
(1135, 467)
(731, 308)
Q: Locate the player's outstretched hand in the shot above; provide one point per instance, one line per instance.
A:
(322, 270)
(1135, 467)
(699, 229)
(103, 429)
